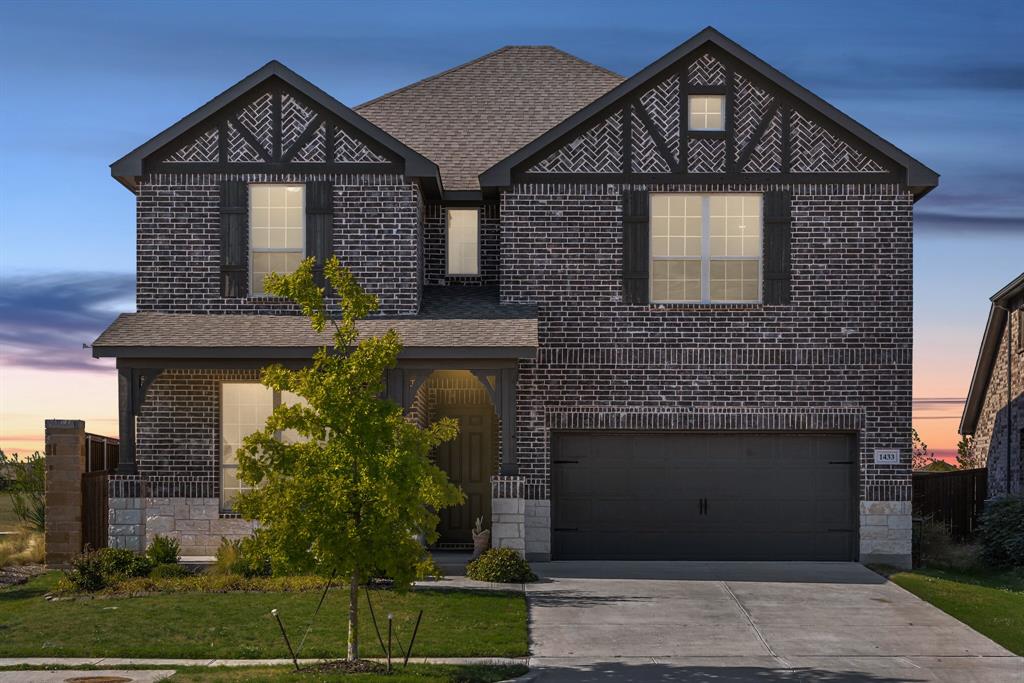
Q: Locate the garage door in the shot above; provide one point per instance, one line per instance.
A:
(668, 496)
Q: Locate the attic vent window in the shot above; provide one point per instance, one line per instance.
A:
(707, 112)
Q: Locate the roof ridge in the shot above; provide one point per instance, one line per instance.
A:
(578, 59)
(432, 77)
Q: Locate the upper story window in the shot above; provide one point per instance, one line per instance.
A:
(463, 241)
(245, 407)
(707, 112)
(277, 231)
(705, 248)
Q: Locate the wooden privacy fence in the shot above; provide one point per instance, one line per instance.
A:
(100, 460)
(954, 498)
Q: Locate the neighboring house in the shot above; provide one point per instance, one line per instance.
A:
(672, 312)
(994, 412)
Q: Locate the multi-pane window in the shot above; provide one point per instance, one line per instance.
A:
(707, 112)
(463, 242)
(245, 407)
(705, 248)
(277, 240)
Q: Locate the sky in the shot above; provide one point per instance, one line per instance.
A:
(83, 83)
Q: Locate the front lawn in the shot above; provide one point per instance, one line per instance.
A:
(415, 673)
(239, 625)
(989, 602)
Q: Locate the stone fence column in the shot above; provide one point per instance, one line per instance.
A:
(65, 463)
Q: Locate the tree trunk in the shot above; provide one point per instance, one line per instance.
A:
(353, 618)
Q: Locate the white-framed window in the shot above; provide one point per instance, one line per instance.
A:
(244, 409)
(705, 248)
(707, 112)
(277, 231)
(463, 242)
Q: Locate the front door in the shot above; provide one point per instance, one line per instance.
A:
(469, 461)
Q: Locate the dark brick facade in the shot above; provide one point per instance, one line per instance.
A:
(435, 245)
(838, 357)
(376, 234)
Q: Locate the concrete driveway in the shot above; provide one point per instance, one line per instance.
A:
(747, 621)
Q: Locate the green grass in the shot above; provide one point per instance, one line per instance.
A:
(8, 521)
(415, 673)
(239, 625)
(991, 603)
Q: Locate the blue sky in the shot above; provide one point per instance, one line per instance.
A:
(83, 83)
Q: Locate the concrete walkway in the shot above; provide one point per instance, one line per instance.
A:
(736, 621)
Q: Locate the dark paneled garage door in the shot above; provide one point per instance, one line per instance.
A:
(662, 496)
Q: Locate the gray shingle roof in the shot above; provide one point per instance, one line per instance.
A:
(452, 317)
(470, 117)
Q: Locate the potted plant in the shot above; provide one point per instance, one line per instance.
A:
(481, 538)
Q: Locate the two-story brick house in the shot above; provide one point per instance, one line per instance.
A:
(994, 410)
(672, 312)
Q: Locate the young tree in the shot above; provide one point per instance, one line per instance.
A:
(967, 456)
(356, 493)
(922, 456)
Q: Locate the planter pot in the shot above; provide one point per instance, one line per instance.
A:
(481, 542)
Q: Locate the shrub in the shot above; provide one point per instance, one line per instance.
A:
(500, 565)
(26, 487)
(163, 550)
(168, 571)
(97, 569)
(241, 556)
(1002, 532)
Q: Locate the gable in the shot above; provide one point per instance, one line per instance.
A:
(273, 121)
(774, 131)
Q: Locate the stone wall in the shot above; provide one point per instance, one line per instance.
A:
(377, 235)
(885, 533)
(196, 523)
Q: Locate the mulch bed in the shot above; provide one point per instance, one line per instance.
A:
(359, 666)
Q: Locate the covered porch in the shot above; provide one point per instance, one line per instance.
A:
(460, 359)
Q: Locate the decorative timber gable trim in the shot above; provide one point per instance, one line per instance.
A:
(274, 121)
(775, 131)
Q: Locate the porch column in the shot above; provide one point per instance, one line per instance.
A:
(132, 385)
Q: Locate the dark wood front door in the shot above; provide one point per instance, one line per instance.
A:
(469, 461)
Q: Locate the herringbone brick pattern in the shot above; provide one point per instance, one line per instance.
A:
(239, 149)
(646, 157)
(815, 150)
(295, 118)
(258, 120)
(706, 70)
(751, 105)
(202, 149)
(349, 149)
(316, 149)
(767, 154)
(662, 104)
(598, 150)
(706, 155)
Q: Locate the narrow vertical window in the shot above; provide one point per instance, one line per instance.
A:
(463, 239)
(277, 231)
(705, 248)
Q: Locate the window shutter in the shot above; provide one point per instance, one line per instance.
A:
(234, 238)
(777, 237)
(319, 225)
(636, 246)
